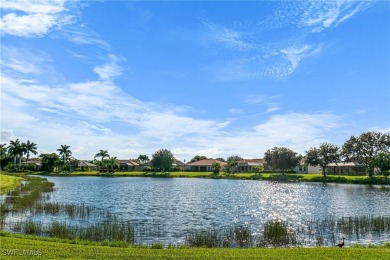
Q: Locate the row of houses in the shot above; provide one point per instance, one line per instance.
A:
(244, 165)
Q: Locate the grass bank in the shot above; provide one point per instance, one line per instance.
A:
(51, 248)
(376, 180)
(8, 183)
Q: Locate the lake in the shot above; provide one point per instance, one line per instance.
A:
(175, 205)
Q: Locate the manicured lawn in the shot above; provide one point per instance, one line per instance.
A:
(8, 183)
(47, 248)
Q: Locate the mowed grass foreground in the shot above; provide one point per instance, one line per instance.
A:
(48, 248)
(8, 183)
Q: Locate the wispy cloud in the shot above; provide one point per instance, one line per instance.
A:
(259, 99)
(111, 69)
(269, 102)
(82, 36)
(322, 15)
(32, 18)
(93, 106)
(235, 111)
(226, 36)
(20, 61)
(252, 55)
(294, 56)
(83, 115)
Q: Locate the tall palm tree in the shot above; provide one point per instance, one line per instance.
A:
(102, 154)
(65, 153)
(16, 149)
(30, 148)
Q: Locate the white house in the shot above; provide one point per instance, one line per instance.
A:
(304, 168)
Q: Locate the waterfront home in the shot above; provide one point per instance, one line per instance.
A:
(203, 165)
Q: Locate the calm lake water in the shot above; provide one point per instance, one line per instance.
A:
(177, 205)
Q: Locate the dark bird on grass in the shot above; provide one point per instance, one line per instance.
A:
(341, 244)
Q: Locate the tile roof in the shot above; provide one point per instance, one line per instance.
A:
(206, 162)
(252, 161)
(128, 162)
(86, 164)
(345, 164)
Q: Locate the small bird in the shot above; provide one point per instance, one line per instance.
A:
(341, 244)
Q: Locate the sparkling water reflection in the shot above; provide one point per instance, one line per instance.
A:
(179, 205)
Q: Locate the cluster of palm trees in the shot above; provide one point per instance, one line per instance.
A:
(17, 150)
(108, 164)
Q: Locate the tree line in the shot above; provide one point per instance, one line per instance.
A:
(369, 149)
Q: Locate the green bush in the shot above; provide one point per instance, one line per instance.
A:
(277, 234)
(157, 246)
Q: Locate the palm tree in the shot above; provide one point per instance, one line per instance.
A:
(16, 149)
(142, 158)
(103, 154)
(30, 147)
(65, 153)
(112, 162)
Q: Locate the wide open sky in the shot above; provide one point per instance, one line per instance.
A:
(210, 78)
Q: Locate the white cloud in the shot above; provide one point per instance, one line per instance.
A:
(258, 99)
(227, 36)
(267, 101)
(108, 71)
(319, 16)
(83, 36)
(276, 63)
(235, 111)
(32, 18)
(6, 135)
(84, 115)
(21, 60)
(295, 54)
(36, 6)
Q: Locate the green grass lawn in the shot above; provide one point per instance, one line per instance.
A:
(8, 183)
(48, 248)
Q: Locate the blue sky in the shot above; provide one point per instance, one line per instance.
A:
(211, 78)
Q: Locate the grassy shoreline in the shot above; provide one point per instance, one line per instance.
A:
(43, 247)
(290, 177)
(16, 245)
(8, 183)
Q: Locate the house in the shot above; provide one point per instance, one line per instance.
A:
(203, 165)
(128, 165)
(245, 165)
(34, 163)
(86, 166)
(307, 168)
(345, 168)
(179, 164)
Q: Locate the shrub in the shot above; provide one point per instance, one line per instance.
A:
(276, 234)
(157, 246)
